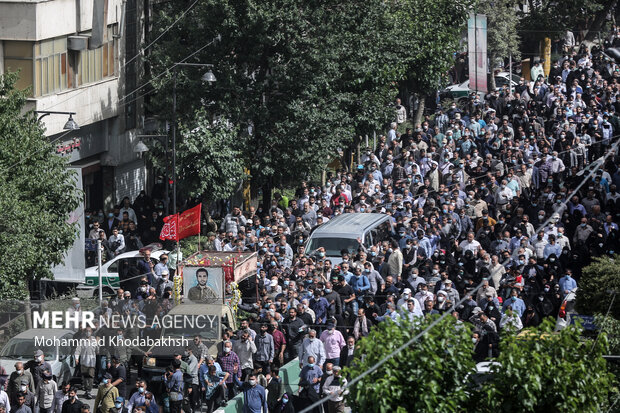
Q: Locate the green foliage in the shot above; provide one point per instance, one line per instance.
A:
(548, 18)
(37, 194)
(540, 370)
(429, 35)
(611, 327)
(209, 160)
(598, 279)
(428, 376)
(305, 76)
(502, 20)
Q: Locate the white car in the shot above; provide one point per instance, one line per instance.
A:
(22, 348)
(120, 271)
(462, 90)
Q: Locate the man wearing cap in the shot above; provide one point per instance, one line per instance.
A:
(332, 388)
(119, 405)
(15, 381)
(106, 395)
(163, 282)
(29, 397)
(38, 366)
(45, 392)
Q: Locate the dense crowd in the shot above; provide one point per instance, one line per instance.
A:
(515, 189)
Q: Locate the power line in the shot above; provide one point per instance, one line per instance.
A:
(134, 57)
(384, 360)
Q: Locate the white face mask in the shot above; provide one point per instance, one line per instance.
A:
(226, 349)
(23, 388)
(474, 340)
(329, 372)
(252, 382)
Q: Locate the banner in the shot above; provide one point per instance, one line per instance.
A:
(169, 230)
(477, 48)
(189, 222)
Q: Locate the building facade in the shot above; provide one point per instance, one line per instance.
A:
(80, 56)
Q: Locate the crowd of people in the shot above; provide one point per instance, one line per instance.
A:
(515, 189)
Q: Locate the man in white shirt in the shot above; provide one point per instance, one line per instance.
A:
(469, 244)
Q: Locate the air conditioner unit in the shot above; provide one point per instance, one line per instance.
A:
(77, 43)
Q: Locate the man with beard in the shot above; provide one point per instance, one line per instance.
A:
(202, 292)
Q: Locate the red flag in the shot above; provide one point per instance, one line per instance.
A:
(170, 228)
(189, 222)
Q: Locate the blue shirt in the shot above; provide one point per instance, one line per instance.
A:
(254, 398)
(308, 374)
(320, 307)
(518, 306)
(567, 283)
(175, 384)
(552, 249)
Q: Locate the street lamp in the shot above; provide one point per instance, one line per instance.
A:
(141, 147)
(207, 77)
(70, 125)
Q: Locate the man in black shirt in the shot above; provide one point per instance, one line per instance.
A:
(294, 330)
(72, 404)
(119, 376)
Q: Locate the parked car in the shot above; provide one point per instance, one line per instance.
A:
(462, 90)
(118, 272)
(23, 345)
(345, 231)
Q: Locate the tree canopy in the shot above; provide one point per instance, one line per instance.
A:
(537, 370)
(596, 286)
(37, 195)
(300, 78)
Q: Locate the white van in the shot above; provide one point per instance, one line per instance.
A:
(344, 231)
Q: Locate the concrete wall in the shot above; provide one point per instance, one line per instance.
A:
(92, 102)
(38, 20)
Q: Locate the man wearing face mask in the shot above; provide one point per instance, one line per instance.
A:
(25, 393)
(265, 350)
(106, 395)
(139, 397)
(38, 366)
(86, 358)
(15, 380)
(254, 396)
(72, 404)
(312, 347)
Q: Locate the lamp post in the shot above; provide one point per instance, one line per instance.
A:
(141, 148)
(69, 125)
(207, 77)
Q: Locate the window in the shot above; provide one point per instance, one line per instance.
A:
(95, 65)
(18, 58)
(50, 74)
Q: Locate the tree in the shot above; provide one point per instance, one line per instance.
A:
(209, 159)
(428, 376)
(429, 36)
(548, 18)
(303, 76)
(38, 193)
(539, 370)
(502, 35)
(596, 286)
